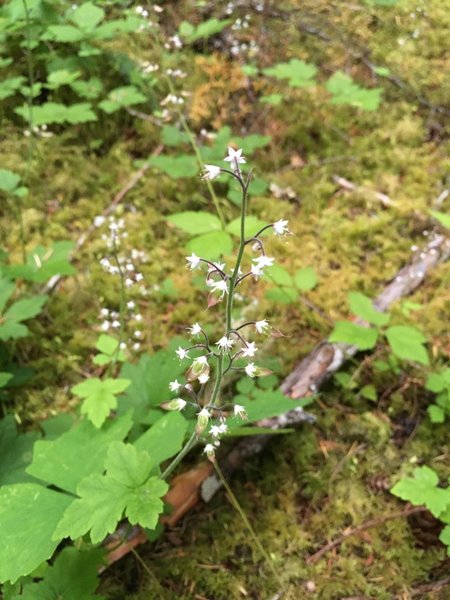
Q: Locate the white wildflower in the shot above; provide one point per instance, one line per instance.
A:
(225, 343)
(280, 227)
(211, 172)
(175, 386)
(262, 326)
(182, 353)
(195, 329)
(193, 261)
(234, 156)
(250, 350)
(240, 411)
(251, 369)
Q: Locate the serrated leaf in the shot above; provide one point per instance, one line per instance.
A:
(75, 454)
(127, 487)
(99, 397)
(407, 343)
(195, 222)
(305, 279)
(299, 73)
(108, 347)
(421, 489)
(8, 87)
(346, 332)
(42, 263)
(362, 306)
(38, 510)
(345, 91)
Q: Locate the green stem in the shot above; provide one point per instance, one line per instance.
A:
(179, 457)
(235, 503)
(149, 572)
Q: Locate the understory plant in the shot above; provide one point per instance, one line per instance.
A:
(86, 475)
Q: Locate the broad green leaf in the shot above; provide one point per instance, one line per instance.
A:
(99, 397)
(305, 279)
(87, 16)
(122, 97)
(9, 181)
(421, 489)
(264, 404)
(11, 330)
(278, 274)
(364, 338)
(445, 538)
(90, 89)
(29, 514)
(211, 245)
(16, 451)
(362, 306)
(4, 378)
(64, 33)
(6, 291)
(274, 99)
(172, 136)
(436, 382)
(298, 73)
(42, 263)
(77, 453)
(53, 112)
(72, 576)
(61, 77)
(149, 381)
(8, 87)
(407, 343)
(436, 414)
(109, 350)
(283, 295)
(164, 438)
(345, 91)
(252, 226)
(26, 308)
(369, 391)
(441, 217)
(127, 488)
(195, 222)
(206, 29)
(176, 166)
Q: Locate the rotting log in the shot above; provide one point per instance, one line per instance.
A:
(201, 483)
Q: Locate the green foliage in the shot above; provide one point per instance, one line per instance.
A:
(109, 350)
(298, 73)
(72, 576)
(10, 184)
(150, 379)
(15, 452)
(365, 338)
(99, 397)
(408, 343)
(362, 307)
(77, 453)
(195, 222)
(287, 287)
(164, 438)
(176, 166)
(443, 218)
(345, 91)
(29, 513)
(121, 98)
(423, 488)
(439, 383)
(55, 112)
(11, 321)
(42, 263)
(192, 33)
(128, 486)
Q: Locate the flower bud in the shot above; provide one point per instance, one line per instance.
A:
(198, 368)
(176, 404)
(202, 421)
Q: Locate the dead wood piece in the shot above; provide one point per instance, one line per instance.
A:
(348, 185)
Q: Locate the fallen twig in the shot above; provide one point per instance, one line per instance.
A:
(348, 185)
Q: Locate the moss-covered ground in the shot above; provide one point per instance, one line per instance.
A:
(310, 486)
